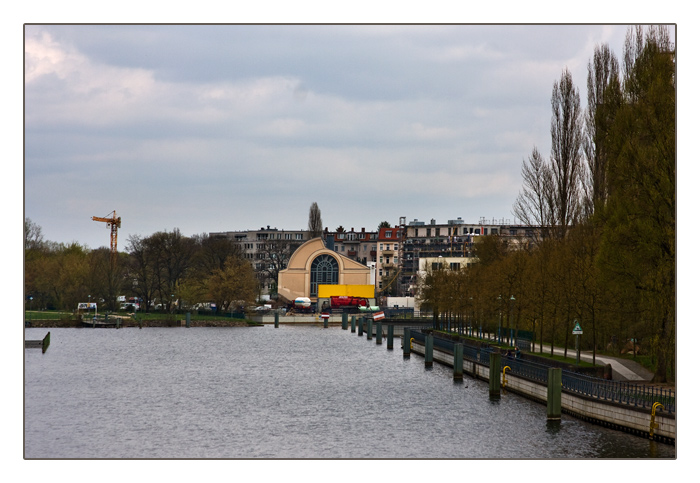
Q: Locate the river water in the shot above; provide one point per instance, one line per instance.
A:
(290, 392)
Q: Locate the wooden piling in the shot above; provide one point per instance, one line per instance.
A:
(379, 333)
(369, 328)
(277, 320)
(188, 320)
(390, 337)
(554, 393)
(360, 326)
(429, 350)
(406, 342)
(495, 375)
(352, 324)
(344, 323)
(458, 362)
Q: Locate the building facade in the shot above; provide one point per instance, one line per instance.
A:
(313, 264)
(268, 250)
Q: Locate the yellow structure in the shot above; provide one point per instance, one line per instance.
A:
(312, 266)
(364, 291)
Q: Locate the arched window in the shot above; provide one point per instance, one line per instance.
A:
(324, 270)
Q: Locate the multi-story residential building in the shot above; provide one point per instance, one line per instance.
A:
(393, 253)
(268, 250)
(389, 254)
(452, 239)
(359, 246)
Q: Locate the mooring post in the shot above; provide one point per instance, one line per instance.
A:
(188, 320)
(458, 362)
(352, 324)
(379, 333)
(406, 342)
(277, 320)
(429, 350)
(369, 328)
(325, 321)
(495, 375)
(390, 337)
(344, 323)
(554, 393)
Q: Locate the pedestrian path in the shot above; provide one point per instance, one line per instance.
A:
(623, 369)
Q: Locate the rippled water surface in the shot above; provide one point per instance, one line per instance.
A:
(291, 392)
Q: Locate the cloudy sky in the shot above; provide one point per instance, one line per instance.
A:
(211, 128)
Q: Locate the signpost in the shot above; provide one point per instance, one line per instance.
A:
(577, 332)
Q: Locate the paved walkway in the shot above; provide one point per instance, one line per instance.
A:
(623, 369)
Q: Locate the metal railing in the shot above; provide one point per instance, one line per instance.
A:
(621, 392)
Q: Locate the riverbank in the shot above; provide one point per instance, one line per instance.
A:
(129, 322)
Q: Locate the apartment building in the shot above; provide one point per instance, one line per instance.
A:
(268, 250)
(389, 254)
(360, 246)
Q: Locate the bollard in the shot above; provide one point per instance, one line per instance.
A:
(390, 337)
(406, 342)
(187, 318)
(352, 324)
(325, 322)
(369, 328)
(360, 326)
(379, 333)
(429, 350)
(277, 320)
(458, 362)
(344, 323)
(554, 393)
(495, 375)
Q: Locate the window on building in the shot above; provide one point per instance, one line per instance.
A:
(299, 236)
(477, 231)
(388, 234)
(324, 271)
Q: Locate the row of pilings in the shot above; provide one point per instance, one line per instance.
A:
(497, 380)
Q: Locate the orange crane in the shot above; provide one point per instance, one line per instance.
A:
(114, 222)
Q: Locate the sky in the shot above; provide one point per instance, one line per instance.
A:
(211, 128)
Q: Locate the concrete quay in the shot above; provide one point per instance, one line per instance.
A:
(618, 416)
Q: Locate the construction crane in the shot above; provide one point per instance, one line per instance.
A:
(113, 223)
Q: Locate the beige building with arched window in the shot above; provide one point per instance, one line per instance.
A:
(313, 264)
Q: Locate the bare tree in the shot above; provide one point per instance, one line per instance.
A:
(315, 222)
(534, 205)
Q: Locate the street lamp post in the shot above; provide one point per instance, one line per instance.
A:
(512, 338)
(500, 317)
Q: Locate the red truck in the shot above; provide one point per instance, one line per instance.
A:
(346, 302)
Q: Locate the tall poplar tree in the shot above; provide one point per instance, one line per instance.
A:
(315, 222)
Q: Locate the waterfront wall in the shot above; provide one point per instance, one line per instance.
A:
(617, 416)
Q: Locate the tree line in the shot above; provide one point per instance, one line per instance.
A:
(165, 270)
(602, 211)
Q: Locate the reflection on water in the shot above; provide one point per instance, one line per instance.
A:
(290, 392)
